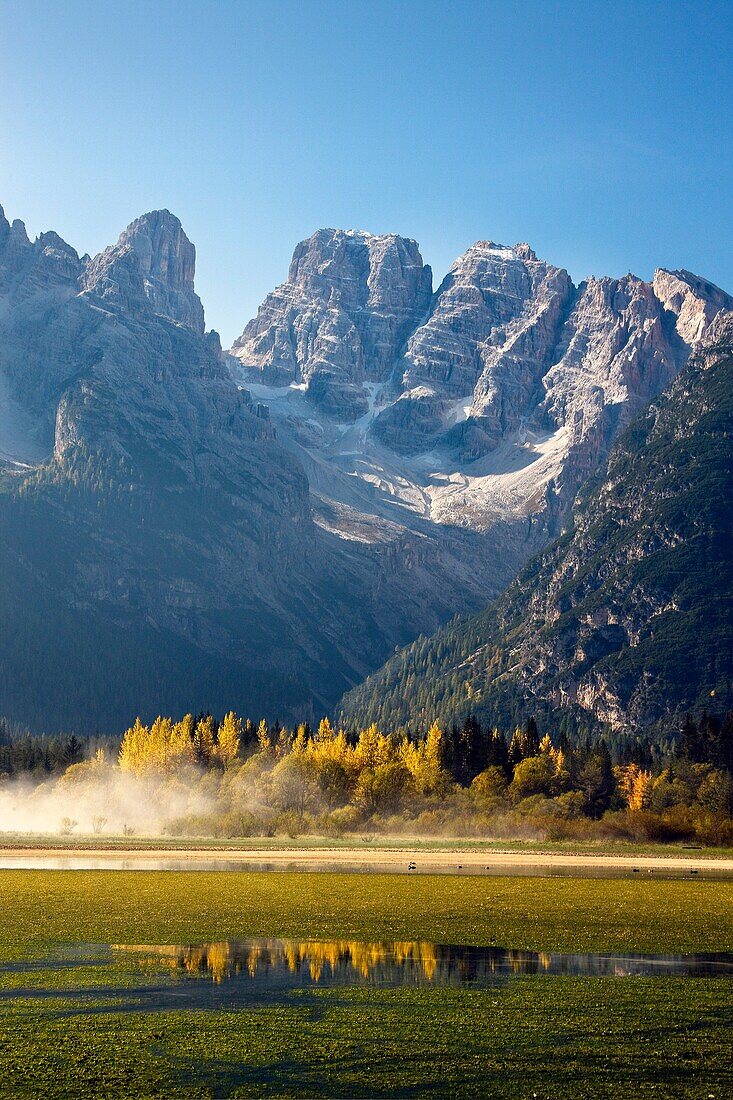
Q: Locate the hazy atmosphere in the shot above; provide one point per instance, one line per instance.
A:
(366, 556)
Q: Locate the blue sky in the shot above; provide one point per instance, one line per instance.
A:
(601, 133)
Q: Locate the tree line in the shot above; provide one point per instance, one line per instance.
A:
(467, 773)
(467, 779)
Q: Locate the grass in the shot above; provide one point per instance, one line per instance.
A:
(547, 1036)
(40, 908)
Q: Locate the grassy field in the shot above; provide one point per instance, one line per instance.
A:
(530, 1036)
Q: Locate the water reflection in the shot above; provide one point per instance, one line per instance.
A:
(411, 962)
(308, 863)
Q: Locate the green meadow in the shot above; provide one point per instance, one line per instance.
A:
(85, 1031)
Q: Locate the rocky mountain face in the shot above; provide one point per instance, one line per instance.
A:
(494, 399)
(349, 303)
(120, 338)
(153, 262)
(161, 548)
(482, 350)
(183, 527)
(626, 620)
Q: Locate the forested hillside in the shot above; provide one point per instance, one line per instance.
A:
(627, 620)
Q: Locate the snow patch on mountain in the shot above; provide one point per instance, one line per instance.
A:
(510, 482)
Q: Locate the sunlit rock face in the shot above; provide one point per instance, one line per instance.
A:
(693, 302)
(350, 301)
(512, 371)
(482, 350)
(153, 261)
(618, 348)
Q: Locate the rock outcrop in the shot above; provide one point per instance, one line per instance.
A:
(153, 261)
(482, 350)
(109, 354)
(509, 354)
(350, 301)
(617, 350)
(692, 301)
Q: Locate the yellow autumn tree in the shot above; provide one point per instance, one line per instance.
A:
(182, 739)
(372, 749)
(382, 788)
(325, 731)
(635, 784)
(300, 743)
(133, 753)
(284, 742)
(546, 745)
(204, 741)
(161, 747)
(423, 761)
(159, 744)
(228, 740)
(558, 762)
(332, 761)
(263, 738)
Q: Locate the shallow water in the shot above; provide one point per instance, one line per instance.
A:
(423, 865)
(154, 977)
(412, 962)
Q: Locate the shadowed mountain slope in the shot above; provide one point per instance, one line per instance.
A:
(183, 528)
(159, 547)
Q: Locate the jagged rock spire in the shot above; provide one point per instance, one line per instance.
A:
(155, 259)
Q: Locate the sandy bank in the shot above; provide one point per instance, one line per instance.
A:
(379, 859)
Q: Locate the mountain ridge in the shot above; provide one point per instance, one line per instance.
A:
(158, 505)
(625, 621)
(154, 491)
(508, 346)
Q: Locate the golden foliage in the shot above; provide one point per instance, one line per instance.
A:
(165, 746)
(635, 784)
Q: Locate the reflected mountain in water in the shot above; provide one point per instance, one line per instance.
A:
(410, 962)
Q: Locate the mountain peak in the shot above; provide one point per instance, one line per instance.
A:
(350, 301)
(164, 250)
(492, 249)
(152, 258)
(693, 301)
(49, 239)
(15, 231)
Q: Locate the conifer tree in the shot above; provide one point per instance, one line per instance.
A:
(516, 749)
(183, 739)
(134, 748)
(325, 731)
(531, 739)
